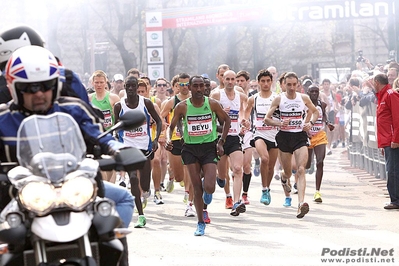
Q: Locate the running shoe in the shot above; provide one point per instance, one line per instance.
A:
(295, 188)
(189, 211)
(287, 202)
(221, 182)
(181, 183)
(122, 183)
(265, 198)
(141, 222)
(205, 216)
(185, 198)
(245, 198)
(317, 197)
(286, 184)
(158, 198)
(170, 186)
(329, 152)
(200, 229)
(302, 210)
(257, 169)
(277, 177)
(207, 198)
(239, 207)
(162, 187)
(229, 202)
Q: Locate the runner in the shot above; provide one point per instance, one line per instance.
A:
(139, 138)
(264, 136)
(318, 139)
(198, 115)
(233, 103)
(178, 169)
(292, 138)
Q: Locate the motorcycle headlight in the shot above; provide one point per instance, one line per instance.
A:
(78, 192)
(38, 197)
(104, 208)
(14, 220)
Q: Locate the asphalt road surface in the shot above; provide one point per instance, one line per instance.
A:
(350, 227)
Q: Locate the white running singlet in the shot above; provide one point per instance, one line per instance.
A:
(318, 125)
(293, 109)
(234, 110)
(261, 107)
(140, 137)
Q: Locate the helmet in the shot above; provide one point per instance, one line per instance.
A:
(14, 38)
(32, 68)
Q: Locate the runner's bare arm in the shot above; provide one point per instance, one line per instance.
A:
(241, 114)
(166, 108)
(268, 117)
(151, 109)
(179, 113)
(222, 116)
(312, 109)
(250, 105)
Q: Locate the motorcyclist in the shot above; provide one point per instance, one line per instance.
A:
(19, 36)
(33, 79)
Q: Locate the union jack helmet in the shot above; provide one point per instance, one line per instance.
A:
(30, 69)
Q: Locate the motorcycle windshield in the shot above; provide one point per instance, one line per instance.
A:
(50, 146)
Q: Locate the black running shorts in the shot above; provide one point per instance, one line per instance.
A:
(291, 141)
(270, 145)
(177, 146)
(202, 153)
(232, 144)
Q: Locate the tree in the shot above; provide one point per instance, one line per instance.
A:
(122, 17)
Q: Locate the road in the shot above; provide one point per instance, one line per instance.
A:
(351, 220)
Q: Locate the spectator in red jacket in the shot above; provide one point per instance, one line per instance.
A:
(388, 134)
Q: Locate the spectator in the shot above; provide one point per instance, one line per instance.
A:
(388, 134)
(396, 85)
(392, 75)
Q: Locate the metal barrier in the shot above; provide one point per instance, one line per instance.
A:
(363, 151)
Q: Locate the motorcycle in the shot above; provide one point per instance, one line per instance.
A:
(55, 216)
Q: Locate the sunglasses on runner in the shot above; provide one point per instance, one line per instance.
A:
(181, 84)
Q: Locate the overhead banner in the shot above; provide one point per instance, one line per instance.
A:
(278, 11)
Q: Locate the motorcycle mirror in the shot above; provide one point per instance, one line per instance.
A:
(130, 120)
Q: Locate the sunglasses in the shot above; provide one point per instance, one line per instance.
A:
(161, 85)
(181, 84)
(43, 86)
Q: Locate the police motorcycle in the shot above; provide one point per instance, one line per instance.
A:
(55, 216)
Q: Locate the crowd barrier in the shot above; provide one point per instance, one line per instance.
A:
(363, 151)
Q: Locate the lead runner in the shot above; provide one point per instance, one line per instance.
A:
(198, 115)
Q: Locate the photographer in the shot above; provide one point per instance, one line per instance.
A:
(363, 63)
(354, 93)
